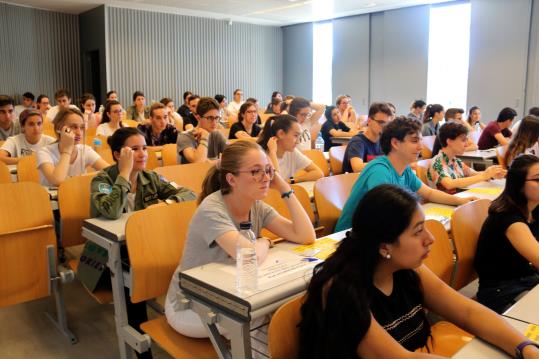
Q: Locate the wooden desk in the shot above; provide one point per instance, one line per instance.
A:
(341, 140)
(483, 157)
(309, 186)
(527, 308)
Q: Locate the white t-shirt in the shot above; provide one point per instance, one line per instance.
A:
(51, 114)
(104, 130)
(292, 162)
(304, 140)
(17, 146)
(234, 107)
(86, 156)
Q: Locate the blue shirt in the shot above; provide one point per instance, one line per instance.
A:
(378, 171)
(360, 146)
(328, 126)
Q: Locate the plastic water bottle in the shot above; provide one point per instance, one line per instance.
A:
(97, 144)
(478, 126)
(319, 144)
(246, 261)
(101, 109)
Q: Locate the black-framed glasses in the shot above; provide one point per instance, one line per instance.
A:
(212, 118)
(258, 173)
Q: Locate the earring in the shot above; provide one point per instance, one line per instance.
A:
(388, 256)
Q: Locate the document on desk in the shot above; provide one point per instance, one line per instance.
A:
(486, 190)
(440, 214)
(532, 332)
(321, 249)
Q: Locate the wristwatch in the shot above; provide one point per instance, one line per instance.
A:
(521, 346)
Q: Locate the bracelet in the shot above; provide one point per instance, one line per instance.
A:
(521, 346)
(287, 194)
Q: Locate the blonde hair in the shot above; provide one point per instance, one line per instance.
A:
(230, 162)
(60, 119)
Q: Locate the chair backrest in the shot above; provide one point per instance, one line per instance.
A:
(274, 199)
(330, 195)
(152, 162)
(155, 250)
(265, 116)
(26, 230)
(422, 169)
(442, 258)
(106, 154)
(224, 131)
(130, 123)
(283, 333)
(74, 206)
(190, 175)
(5, 175)
(500, 155)
(27, 169)
(466, 224)
(427, 143)
(336, 157)
(169, 156)
(318, 158)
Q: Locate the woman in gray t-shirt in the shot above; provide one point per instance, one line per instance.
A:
(232, 193)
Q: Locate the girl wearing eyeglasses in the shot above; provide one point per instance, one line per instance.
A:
(507, 256)
(246, 126)
(68, 156)
(232, 193)
(279, 139)
(112, 119)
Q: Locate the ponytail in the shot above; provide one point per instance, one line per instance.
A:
(210, 184)
(272, 126)
(430, 111)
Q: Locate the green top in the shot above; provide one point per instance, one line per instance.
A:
(109, 192)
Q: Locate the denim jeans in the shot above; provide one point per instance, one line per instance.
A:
(500, 295)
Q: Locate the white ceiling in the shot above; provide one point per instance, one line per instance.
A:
(264, 12)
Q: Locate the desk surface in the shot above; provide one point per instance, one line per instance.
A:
(479, 154)
(479, 349)
(526, 308)
(113, 229)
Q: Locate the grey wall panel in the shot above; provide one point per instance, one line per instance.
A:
(298, 60)
(532, 83)
(498, 55)
(166, 54)
(351, 59)
(40, 51)
(399, 56)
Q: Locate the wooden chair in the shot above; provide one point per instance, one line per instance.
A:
(190, 175)
(27, 169)
(274, 199)
(442, 258)
(28, 251)
(74, 206)
(500, 155)
(422, 167)
(283, 333)
(336, 156)
(154, 253)
(106, 154)
(152, 162)
(427, 143)
(466, 224)
(330, 195)
(169, 155)
(1, 143)
(318, 159)
(265, 116)
(5, 174)
(130, 123)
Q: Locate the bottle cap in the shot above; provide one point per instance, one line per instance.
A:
(97, 142)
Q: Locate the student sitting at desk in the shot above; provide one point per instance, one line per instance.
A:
(401, 144)
(232, 193)
(497, 132)
(127, 186)
(159, 131)
(307, 113)
(507, 256)
(524, 140)
(447, 172)
(246, 126)
(431, 119)
(68, 156)
(111, 120)
(455, 115)
(334, 127)
(29, 141)
(365, 146)
(369, 299)
(279, 139)
(203, 142)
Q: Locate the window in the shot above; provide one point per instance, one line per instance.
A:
(449, 47)
(322, 62)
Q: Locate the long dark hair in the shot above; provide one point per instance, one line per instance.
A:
(272, 126)
(513, 199)
(108, 107)
(470, 112)
(430, 111)
(336, 314)
(526, 136)
(118, 138)
(230, 162)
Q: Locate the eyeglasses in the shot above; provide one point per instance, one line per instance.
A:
(251, 111)
(212, 118)
(117, 111)
(258, 174)
(306, 115)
